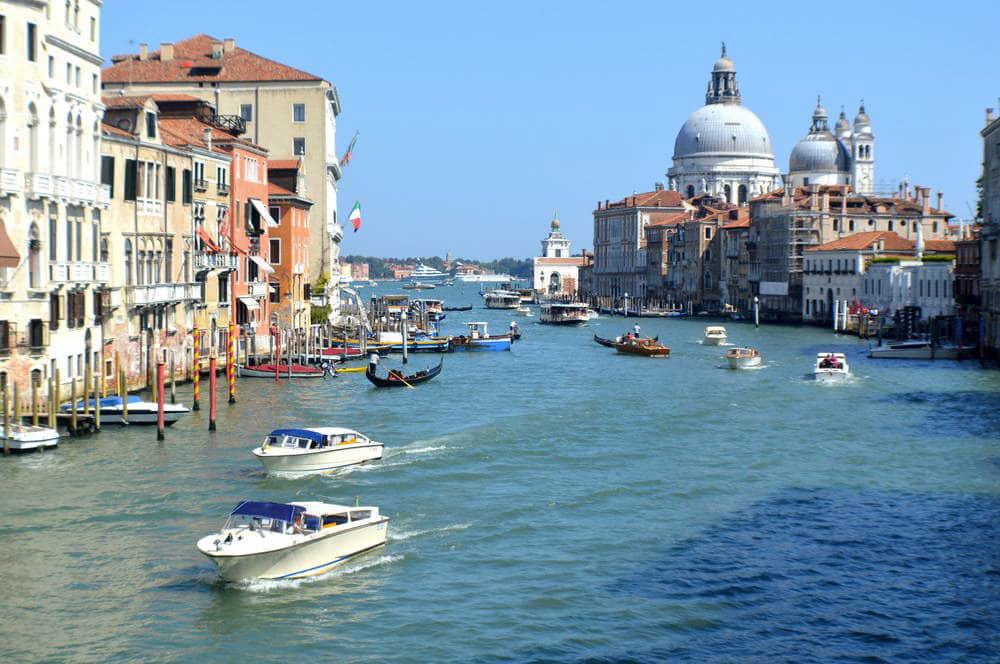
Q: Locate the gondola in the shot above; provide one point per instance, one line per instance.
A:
(468, 308)
(610, 343)
(395, 380)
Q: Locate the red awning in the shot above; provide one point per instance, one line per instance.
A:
(8, 254)
(207, 240)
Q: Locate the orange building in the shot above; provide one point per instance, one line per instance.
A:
(288, 243)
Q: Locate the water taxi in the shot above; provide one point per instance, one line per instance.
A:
(419, 285)
(502, 300)
(263, 540)
(645, 347)
(479, 339)
(831, 367)
(921, 349)
(743, 358)
(715, 335)
(524, 311)
(24, 437)
(556, 313)
(139, 411)
(314, 450)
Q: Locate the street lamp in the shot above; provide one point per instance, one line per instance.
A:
(625, 310)
(756, 311)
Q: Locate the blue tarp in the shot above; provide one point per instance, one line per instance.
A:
(299, 433)
(106, 402)
(268, 510)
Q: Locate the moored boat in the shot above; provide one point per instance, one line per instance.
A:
(715, 335)
(558, 313)
(479, 339)
(315, 450)
(502, 300)
(743, 358)
(642, 346)
(297, 370)
(24, 437)
(831, 367)
(610, 343)
(139, 411)
(465, 308)
(921, 349)
(264, 540)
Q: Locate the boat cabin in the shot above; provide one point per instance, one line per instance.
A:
(292, 518)
(833, 361)
(478, 330)
(715, 331)
(312, 439)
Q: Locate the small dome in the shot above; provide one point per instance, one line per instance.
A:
(861, 118)
(818, 152)
(819, 113)
(723, 129)
(724, 64)
(843, 128)
(555, 224)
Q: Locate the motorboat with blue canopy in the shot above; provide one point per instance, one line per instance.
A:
(306, 450)
(130, 410)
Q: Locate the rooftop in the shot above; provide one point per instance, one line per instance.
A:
(889, 242)
(659, 198)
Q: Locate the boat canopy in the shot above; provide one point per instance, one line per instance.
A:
(308, 434)
(280, 511)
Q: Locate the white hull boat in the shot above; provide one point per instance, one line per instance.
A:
(714, 336)
(743, 358)
(24, 437)
(319, 450)
(564, 314)
(831, 368)
(920, 350)
(139, 412)
(292, 540)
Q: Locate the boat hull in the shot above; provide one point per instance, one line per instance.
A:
(281, 462)
(27, 438)
(307, 558)
(252, 372)
(642, 351)
(926, 353)
(713, 341)
(830, 376)
(744, 362)
(142, 415)
(483, 345)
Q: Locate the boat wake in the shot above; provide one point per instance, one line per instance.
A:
(277, 585)
(414, 450)
(402, 536)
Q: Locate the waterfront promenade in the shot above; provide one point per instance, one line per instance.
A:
(557, 502)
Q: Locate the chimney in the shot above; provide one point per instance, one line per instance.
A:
(925, 199)
(216, 50)
(989, 115)
(143, 51)
(206, 134)
(229, 45)
(940, 201)
(166, 52)
(813, 200)
(826, 202)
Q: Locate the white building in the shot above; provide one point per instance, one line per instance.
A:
(723, 148)
(889, 287)
(556, 272)
(825, 158)
(50, 197)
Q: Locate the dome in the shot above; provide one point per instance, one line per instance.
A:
(555, 224)
(818, 152)
(724, 64)
(843, 127)
(727, 129)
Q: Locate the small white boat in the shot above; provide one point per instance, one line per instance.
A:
(921, 349)
(524, 311)
(592, 314)
(262, 540)
(743, 358)
(502, 300)
(715, 335)
(315, 450)
(560, 313)
(139, 412)
(24, 437)
(831, 367)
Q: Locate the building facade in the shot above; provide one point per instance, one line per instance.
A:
(52, 207)
(289, 242)
(989, 250)
(289, 112)
(556, 273)
(723, 149)
(890, 287)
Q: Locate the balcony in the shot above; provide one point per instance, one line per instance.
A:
(149, 206)
(84, 191)
(142, 296)
(201, 185)
(10, 182)
(104, 195)
(234, 124)
(78, 272)
(214, 261)
(102, 272)
(62, 186)
(38, 185)
(258, 289)
(223, 188)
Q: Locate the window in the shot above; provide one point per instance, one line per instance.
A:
(890, 224)
(708, 233)
(275, 249)
(186, 188)
(150, 124)
(54, 311)
(275, 213)
(131, 173)
(53, 233)
(93, 83)
(850, 225)
(128, 262)
(275, 295)
(690, 191)
(298, 145)
(836, 225)
(69, 73)
(805, 182)
(934, 227)
(93, 28)
(95, 242)
(3, 34)
(52, 67)
(168, 258)
(76, 76)
(221, 177)
(224, 288)
(298, 112)
(32, 42)
(171, 184)
(246, 112)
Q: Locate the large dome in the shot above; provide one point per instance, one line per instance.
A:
(723, 129)
(818, 152)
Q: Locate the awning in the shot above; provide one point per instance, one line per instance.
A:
(8, 254)
(250, 303)
(262, 264)
(264, 214)
(207, 239)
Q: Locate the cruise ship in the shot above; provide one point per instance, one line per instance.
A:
(427, 275)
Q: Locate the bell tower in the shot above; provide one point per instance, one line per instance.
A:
(555, 245)
(863, 153)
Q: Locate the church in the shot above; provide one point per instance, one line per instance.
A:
(844, 156)
(556, 272)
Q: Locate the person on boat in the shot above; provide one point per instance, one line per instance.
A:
(637, 330)
(628, 337)
(327, 368)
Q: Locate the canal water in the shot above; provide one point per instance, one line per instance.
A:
(556, 503)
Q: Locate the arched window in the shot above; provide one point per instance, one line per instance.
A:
(32, 138)
(34, 258)
(128, 262)
(555, 283)
(742, 194)
(708, 280)
(727, 191)
(70, 159)
(52, 141)
(871, 223)
(79, 148)
(690, 191)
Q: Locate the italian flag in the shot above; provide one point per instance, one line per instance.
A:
(356, 216)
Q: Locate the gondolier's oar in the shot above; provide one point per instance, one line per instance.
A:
(400, 377)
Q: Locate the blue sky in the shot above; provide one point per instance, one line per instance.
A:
(479, 119)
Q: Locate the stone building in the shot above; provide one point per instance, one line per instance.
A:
(842, 157)
(784, 223)
(723, 149)
(620, 264)
(555, 273)
(695, 279)
(990, 252)
(967, 275)
(658, 234)
(734, 282)
(289, 242)
(52, 207)
(289, 112)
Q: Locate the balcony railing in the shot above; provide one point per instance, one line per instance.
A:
(137, 296)
(10, 181)
(38, 185)
(214, 261)
(223, 188)
(102, 272)
(84, 190)
(78, 271)
(61, 186)
(149, 206)
(234, 124)
(258, 288)
(201, 185)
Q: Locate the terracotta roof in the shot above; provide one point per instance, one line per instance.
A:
(193, 61)
(857, 204)
(125, 101)
(670, 219)
(175, 97)
(578, 261)
(277, 190)
(112, 130)
(283, 164)
(890, 242)
(661, 198)
(180, 132)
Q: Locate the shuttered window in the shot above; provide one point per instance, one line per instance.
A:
(131, 171)
(188, 192)
(108, 173)
(171, 184)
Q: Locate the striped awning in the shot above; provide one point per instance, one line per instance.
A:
(8, 254)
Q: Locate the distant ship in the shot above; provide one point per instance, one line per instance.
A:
(427, 275)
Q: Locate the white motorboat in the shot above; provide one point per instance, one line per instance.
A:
(139, 411)
(524, 311)
(921, 349)
(502, 300)
(715, 335)
(831, 367)
(24, 437)
(592, 314)
(315, 450)
(262, 540)
(743, 358)
(558, 313)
